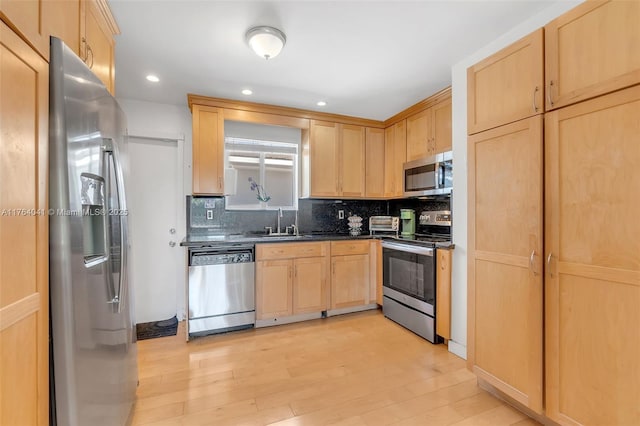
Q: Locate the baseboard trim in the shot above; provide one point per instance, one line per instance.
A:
(457, 349)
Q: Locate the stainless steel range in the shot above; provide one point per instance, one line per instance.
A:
(409, 275)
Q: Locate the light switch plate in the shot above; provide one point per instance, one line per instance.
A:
(340, 214)
(209, 214)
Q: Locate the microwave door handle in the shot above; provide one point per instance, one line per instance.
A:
(441, 173)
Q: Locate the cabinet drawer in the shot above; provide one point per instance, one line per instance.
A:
(290, 250)
(343, 248)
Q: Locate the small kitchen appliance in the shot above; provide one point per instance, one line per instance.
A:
(408, 219)
(384, 224)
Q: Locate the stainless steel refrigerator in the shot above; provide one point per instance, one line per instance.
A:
(94, 361)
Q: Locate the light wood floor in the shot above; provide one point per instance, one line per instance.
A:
(357, 369)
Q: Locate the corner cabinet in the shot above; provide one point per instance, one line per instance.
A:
(507, 86)
(591, 50)
(208, 150)
(24, 238)
(337, 160)
(592, 279)
(395, 152)
(505, 259)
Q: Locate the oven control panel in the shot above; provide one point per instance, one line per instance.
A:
(436, 217)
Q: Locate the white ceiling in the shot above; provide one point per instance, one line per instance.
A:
(368, 59)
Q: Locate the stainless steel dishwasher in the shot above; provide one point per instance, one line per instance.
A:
(221, 289)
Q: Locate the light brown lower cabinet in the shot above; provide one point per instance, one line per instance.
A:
(443, 293)
(274, 288)
(291, 279)
(350, 268)
(505, 259)
(592, 279)
(310, 284)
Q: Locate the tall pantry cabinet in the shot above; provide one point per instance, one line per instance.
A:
(590, 262)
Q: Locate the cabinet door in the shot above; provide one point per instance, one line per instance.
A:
(24, 244)
(324, 159)
(29, 18)
(375, 163)
(389, 161)
(418, 135)
(443, 293)
(593, 250)
(395, 153)
(349, 281)
(274, 289)
(352, 161)
(62, 19)
(505, 259)
(442, 126)
(507, 86)
(99, 46)
(591, 50)
(399, 157)
(310, 285)
(208, 150)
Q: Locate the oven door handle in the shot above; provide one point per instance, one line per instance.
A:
(425, 251)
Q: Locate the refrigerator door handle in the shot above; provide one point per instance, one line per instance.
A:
(111, 151)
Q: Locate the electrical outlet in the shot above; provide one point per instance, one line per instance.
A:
(340, 214)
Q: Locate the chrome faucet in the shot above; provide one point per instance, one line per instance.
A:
(279, 216)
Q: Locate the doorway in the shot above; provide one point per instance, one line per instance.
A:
(155, 204)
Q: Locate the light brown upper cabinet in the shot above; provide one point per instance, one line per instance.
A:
(29, 17)
(442, 126)
(429, 131)
(505, 259)
(62, 20)
(592, 239)
(208, 150)
(592, 50)
(337, 160)
(24, 239)
(419, 135)
(97, 46)
(395, 152)
(374, 181)
(507, 86)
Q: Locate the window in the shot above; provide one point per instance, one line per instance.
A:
(267, 174)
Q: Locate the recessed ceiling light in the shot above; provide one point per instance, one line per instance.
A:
(152, 78)
(247, 92)
(321, 103)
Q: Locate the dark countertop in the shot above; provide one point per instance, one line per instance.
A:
(212, 240)
(216, 240)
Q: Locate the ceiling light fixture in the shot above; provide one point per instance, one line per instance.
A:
(267, 42)
(152, 78)
(321, 103)
(247, 92)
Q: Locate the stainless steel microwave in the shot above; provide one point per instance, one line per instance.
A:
(429, 176)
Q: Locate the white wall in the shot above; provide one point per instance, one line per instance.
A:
(458, 342)
(146, 119)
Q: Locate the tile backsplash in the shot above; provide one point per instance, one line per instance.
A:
(314, 215)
